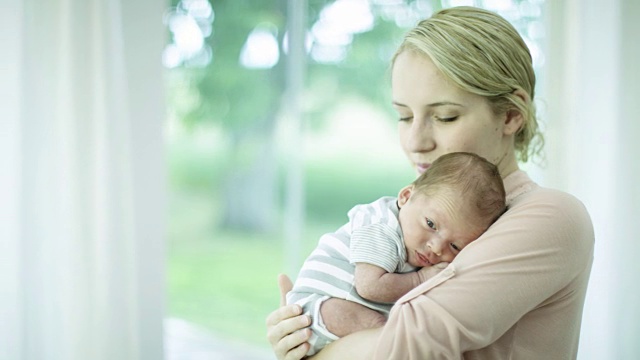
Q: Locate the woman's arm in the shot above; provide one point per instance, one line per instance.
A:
(530, 268)
(286, 327)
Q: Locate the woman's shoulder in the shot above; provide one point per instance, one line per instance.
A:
(553, 217)
(522, 192)
(544, 228)
(555, 201)
(543, 215)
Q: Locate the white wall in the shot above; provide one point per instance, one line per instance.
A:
(627, 211)
(593, 150)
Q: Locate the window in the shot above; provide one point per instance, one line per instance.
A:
(229, 133)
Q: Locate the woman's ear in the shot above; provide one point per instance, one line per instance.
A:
(514, 119)
(404, 195)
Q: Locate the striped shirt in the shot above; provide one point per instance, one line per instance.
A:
(372, 236)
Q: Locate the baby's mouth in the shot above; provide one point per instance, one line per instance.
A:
(423, 259)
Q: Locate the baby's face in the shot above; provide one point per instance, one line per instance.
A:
(433, 227)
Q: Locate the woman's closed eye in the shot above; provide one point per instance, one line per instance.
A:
(446, 119)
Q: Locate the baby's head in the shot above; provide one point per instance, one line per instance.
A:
(448, 206)
(472, 179)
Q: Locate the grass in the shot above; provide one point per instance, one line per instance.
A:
(227, 285)
(226, 280)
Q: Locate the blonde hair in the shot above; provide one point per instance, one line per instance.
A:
(471, 178)
(483, 54)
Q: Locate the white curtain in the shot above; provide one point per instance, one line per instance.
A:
(593, 147)
(82, 180)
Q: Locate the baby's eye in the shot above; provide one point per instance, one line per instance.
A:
(431, 224)
(454, 247)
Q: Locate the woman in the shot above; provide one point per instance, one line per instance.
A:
(462, 80)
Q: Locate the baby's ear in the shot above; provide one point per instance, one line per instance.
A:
(404, 195)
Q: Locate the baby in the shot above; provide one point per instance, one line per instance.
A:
(390, 246)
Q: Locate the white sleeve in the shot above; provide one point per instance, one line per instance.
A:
(376, 244)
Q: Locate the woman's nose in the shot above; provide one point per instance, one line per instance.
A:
(420, 136)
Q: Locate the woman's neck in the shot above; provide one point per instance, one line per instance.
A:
(508, 165)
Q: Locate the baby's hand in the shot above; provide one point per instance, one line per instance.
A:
(428, 272)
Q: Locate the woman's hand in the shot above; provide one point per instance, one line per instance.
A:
(286, 327)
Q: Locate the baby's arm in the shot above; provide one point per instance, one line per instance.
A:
(376, 284)
(343, 317)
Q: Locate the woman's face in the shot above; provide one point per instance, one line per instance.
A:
(437, 117)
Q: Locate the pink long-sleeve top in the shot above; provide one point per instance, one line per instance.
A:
(515, 293)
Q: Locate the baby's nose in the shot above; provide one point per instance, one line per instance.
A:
(437, 250)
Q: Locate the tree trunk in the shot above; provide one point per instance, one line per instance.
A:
(250, 192)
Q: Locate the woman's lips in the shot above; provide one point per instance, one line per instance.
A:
(422, 167)
(423, 259)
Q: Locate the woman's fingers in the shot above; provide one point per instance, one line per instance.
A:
(285, 285)
(285, 321)
(283, 313)
(288, 337)
(297, 339)
(286, 326)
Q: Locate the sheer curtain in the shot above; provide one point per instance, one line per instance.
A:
(593, 131)
(82, 180)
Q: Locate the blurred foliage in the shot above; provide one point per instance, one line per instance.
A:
(241, 99)
(224, 91)
(245, 103)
